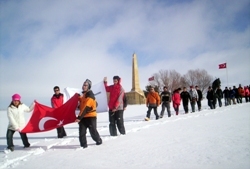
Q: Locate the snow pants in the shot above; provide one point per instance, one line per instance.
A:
(116, 119)
(61, 132)
(90, 123)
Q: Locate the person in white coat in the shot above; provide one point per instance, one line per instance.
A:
(16, 118)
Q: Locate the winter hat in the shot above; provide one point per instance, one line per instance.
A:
(16, 97)
(116, 77)
(88, 82)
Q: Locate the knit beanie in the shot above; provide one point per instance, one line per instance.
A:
(16, 97)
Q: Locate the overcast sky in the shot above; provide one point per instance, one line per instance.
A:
(52, 42)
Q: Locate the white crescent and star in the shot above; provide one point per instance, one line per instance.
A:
(45, 119)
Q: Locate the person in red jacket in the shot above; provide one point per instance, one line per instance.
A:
(246, 93)
(176, 98)
(116, 106)
(57, 101)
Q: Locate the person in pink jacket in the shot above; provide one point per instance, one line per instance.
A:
(176, 98)
(246, 93)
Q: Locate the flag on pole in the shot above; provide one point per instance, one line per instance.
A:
(223, 66)
(45, 118)
(151, 78)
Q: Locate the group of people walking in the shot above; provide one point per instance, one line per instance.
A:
(86, 119)
(193, 96)
(154, 100)
(231, 95)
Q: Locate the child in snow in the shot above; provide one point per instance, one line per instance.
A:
(16, 118)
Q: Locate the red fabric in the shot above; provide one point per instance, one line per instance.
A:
(45, 118)
(151, 78)
(176, 98)
(57, 102)
(246, 91)
(223, 66)
(114, 92)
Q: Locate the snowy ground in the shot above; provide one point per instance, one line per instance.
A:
(210, 139)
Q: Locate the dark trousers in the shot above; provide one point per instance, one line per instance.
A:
(9, 136)
(185, 107)
(199, 104)
(89, 123)
(246, 98)
(219, 101)
(155, 112)
(116, 119)
(163, 107)
(227, 100)
(61, 132)
(237, 99)
(176, 108)
(240, 99)
(211, 104)
(193, 105)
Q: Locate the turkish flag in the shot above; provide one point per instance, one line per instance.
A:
(223, 66)
(45, 118)
(151, 78)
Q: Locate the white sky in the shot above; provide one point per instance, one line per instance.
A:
(208, 139)
(47, 43)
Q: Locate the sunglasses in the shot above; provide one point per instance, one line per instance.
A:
(56, 90)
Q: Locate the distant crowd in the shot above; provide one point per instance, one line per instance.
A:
(193, 96)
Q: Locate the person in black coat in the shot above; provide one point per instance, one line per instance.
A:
(219, 95)
(226, 96)
(165, 100)
(236, 94)
(199, 98)
(185, 99)
(210, 98)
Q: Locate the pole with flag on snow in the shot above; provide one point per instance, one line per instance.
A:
(224, 66)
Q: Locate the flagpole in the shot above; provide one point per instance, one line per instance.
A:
(227, 74)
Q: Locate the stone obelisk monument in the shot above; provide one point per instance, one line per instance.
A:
(136, 95)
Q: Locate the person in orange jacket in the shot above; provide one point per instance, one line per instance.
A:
(241, 93)
(152, 102)
(87, 117)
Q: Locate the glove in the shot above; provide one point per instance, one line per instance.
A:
(105, 79)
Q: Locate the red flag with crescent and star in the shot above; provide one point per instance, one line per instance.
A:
(223, 66)
(45, 118)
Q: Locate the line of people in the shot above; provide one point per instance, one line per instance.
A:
(193, 96)
(230, 95)
(154, 100)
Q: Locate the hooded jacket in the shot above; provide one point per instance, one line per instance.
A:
(116, 95)
(176, 98)
(87, 105)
